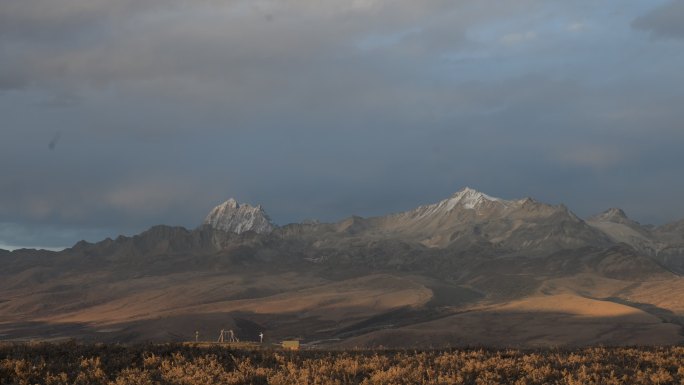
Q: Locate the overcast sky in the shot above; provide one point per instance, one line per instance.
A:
(116, 115)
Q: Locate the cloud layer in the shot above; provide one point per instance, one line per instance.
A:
(120, 115)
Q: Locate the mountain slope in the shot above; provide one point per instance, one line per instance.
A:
(664, 243)
(469, 216)
(670, 249)
(474, 266)
(620, 229)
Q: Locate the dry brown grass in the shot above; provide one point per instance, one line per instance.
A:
(72, 363)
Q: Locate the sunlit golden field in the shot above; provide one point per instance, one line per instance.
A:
(71, 363)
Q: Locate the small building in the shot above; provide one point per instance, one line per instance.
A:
(291, 345)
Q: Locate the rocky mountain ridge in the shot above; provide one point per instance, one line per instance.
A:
(469, 223)
(467, 219)
(522, 225)
(234, 217)
(464, 260)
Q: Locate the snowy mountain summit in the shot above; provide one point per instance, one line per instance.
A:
(232, 216)
(469, 199)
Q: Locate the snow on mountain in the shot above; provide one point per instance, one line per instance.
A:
(469, 199)
(466, 198)
(470, 216)
(232, 216)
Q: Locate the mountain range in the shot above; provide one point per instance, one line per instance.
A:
(468, 270)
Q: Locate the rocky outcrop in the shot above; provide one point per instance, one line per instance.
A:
(231, 216)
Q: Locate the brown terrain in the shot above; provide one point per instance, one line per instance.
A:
(470, 270)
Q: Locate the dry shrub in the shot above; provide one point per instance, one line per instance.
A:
(73, 364)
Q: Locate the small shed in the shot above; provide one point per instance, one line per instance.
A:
(291, 345)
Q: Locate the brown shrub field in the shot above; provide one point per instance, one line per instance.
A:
(73, 363)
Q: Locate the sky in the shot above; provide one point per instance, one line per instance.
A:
(119, 115)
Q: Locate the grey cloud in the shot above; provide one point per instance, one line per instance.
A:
(101, 42)
(322, 110)
(664, 21)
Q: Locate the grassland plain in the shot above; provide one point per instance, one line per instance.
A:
(74, 363)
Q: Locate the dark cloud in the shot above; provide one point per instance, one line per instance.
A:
(663, 21)
(322, 110)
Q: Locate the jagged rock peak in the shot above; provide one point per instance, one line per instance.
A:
(614, 215)
(470, 199)
(235, 217)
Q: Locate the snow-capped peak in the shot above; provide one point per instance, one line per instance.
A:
(234, 217)
(466, 198)
(469, 199)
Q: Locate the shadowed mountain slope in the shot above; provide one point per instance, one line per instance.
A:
(437, 274)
